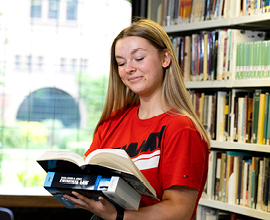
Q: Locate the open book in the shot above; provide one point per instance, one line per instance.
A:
(112, 162)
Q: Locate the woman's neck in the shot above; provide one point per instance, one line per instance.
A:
(150, 108)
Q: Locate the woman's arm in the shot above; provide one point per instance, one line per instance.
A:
(178, 202)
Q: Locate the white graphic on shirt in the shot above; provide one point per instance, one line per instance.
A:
(147, 161)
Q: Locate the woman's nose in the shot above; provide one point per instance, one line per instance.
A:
(130, 67)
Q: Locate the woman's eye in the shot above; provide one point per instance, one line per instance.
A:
(121, 64)
(140, 59)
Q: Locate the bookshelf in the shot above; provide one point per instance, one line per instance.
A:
(230, 84)
(240, 146)
(235, 209)
(257, 22)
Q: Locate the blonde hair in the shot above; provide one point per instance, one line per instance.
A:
(174, 92)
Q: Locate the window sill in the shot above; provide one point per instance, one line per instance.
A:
(29, 201)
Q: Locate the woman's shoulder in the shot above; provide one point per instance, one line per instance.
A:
(177, 124)
(118, 115)
(180, 120)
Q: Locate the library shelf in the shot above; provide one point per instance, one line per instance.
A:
(209, 84)
(262, 82)
(242, 210)
(186, 27)
(260, 21)
(252, 22)
(241, 83)
(240, 146)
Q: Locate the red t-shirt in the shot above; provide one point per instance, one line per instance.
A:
(167, 149)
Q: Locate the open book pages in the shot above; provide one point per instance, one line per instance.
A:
(116, 159)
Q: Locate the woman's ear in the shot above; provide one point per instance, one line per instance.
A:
(166, 58)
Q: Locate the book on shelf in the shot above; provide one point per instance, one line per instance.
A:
(154, 11)
(210, 175)
(241, 119)
(230, 179)
(266, 184)
(260, 184)
(268, 124)
(217, 176)
(235, 111)
(187, 58)
(261, 119)
(221, 195)
(249, 117)
(222, 39)
(113, 188)
(220, 117)
(175, 12)
(255, 119)
(105, 162)
(194, 57)
(238, 44)
(245, 178)
(266, 110)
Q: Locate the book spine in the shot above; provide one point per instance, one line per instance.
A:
(241, 120)
(255, 115)
(217, 179)
(266, 109)
(261, 119)
(268, 123)
(238, 55)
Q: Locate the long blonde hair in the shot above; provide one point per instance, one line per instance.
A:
(174, 92)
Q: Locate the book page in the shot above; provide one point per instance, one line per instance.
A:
(62, 155)
(117, 159)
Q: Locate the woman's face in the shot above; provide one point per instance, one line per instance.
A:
(140, 65)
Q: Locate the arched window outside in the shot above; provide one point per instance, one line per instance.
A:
(50, 103)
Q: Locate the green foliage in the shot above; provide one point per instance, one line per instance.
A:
(33, 134)
(35, 180)
(93, 91)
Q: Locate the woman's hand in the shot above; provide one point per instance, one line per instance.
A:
(101, 207)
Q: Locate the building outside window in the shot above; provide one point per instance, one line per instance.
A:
(72, 9)
(84, 64)
(54, 9)
(29, 62)
(17, 61)
(36, 8)
(40, 63)
(63, 64)
(52, 110)
(73, 65)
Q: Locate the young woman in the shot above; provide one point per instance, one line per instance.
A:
(148, 113)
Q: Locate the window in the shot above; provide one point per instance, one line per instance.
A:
(54, 9)
(17, 61)
(63, 64)
(74, 65)
(72, 9)
(40, 63)
(52, 110)
(84, 64)
(29, 62)
(50, 103)
(36, 8)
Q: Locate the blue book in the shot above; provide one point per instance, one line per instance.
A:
(113, 188)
